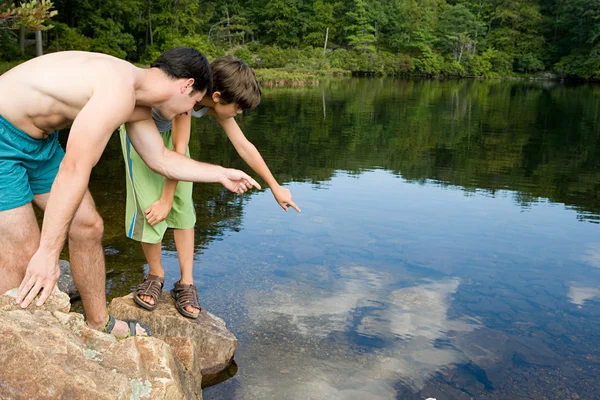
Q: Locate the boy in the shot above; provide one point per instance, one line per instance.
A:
(168, 204)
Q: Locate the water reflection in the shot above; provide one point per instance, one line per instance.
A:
(448, 245)
(359, 339)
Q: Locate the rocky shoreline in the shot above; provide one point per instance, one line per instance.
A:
(48, 352)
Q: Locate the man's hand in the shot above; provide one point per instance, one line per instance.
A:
(42, 274)
(158, 211)
(284, 197)
(237, 181)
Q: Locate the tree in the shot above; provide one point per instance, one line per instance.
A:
(360, 32)
(457, 31)
(516, 29)
(31, 17)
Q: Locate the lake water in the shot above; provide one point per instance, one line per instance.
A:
(448, 247)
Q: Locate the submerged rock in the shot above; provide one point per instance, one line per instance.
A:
(65, 280)
(47, 352)
(203, 345)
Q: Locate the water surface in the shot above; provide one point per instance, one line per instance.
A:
(449, 244)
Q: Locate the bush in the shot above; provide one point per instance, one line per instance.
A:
(63, 37)
(199, 42)
(428, 62)
(244, 54)
(501, 62)
(453, 68)
(9, 47)
(580, 65)
(530, 63)
(478, 66)
(271, 57)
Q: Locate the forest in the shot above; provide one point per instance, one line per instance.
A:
(475, 38)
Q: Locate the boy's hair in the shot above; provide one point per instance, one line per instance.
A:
(186, 63)
(236, 82)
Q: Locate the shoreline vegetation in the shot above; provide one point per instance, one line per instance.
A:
(282, 77)
(286, 77)
(297, 43)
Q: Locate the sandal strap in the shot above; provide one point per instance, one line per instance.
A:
(110, 324)
(151, 286)
(187, 295)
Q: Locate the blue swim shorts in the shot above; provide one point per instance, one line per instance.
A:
(28, 166)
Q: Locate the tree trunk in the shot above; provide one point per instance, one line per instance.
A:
(38, 43)
(22, 39)
(149, 33)
(326, 37)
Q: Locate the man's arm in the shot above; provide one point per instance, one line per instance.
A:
(252, 157)
(89, 134)
(147, 142)
(159, 210)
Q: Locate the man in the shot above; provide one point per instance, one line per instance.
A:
(96, 93)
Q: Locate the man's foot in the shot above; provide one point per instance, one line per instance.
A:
(148, 292)
(186, 300)
(126, 328)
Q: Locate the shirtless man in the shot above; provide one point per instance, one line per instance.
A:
(96, 93)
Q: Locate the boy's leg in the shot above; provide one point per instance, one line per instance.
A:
(152, 252)
(20, 239)
(184, 241)
(87, 263)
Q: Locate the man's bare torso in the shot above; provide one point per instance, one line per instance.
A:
(46, 93)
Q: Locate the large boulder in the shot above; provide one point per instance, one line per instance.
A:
(58, 301)
(46, 352)
(204, 345)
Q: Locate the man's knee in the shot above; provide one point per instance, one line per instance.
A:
(87, 226)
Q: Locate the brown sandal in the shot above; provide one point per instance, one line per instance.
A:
(152, 286)
(186, 295)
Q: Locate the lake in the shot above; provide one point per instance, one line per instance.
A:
(448, 245)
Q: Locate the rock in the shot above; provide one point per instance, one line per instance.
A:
(52, 354)
(65, 281)
(58, 301)
(203, 345)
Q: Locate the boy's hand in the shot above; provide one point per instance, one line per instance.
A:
(158, 211)
(284, 197)
(237, 181)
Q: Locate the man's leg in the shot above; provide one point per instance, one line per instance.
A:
(20, 235)
(87, 262)
(184, 241)
(152, 251)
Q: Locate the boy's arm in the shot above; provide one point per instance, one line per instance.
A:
(159, 210)
(252, 157)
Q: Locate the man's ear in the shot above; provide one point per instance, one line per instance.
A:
(186, 85)
(216, 97)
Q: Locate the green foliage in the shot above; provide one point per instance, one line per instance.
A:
(9, 48)
(66, 38)
(244, 53)
(32, 15)
(477, 65)
(428, 62)
(528, 62)
(359, 31)
(453, 68)
(428, 37)
(582, 66)
(501, 62)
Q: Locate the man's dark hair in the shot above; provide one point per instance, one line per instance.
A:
(185, 63)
